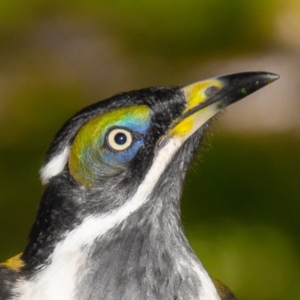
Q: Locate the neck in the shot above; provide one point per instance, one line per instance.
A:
(141, 258)
(139, 252)
(144, 259)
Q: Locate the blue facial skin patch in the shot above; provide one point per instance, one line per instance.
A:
(92, 159)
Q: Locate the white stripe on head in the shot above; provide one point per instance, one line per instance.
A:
(58, 279)
(54, 166)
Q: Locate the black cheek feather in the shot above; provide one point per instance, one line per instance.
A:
(56, 215)
(8, 278)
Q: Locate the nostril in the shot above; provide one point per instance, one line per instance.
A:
(212, 90)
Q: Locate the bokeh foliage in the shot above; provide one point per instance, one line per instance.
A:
(241, 202)
(244, 203)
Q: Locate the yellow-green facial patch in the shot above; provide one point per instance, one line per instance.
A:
(92, 158)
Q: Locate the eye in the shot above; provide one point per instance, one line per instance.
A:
(119, 139)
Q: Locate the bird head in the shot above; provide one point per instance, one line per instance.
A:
(113, 179)
(115, 142)
(124, 146)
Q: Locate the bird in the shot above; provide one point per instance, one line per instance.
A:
(108, 224)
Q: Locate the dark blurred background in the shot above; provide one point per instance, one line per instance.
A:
(241, 208)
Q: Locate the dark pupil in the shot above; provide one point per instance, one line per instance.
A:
(120, 138)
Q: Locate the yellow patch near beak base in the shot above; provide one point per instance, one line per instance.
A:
(196, 94)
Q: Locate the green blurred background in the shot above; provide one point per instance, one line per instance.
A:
(241, 208)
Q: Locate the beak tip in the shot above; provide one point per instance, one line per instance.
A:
(271, 77)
